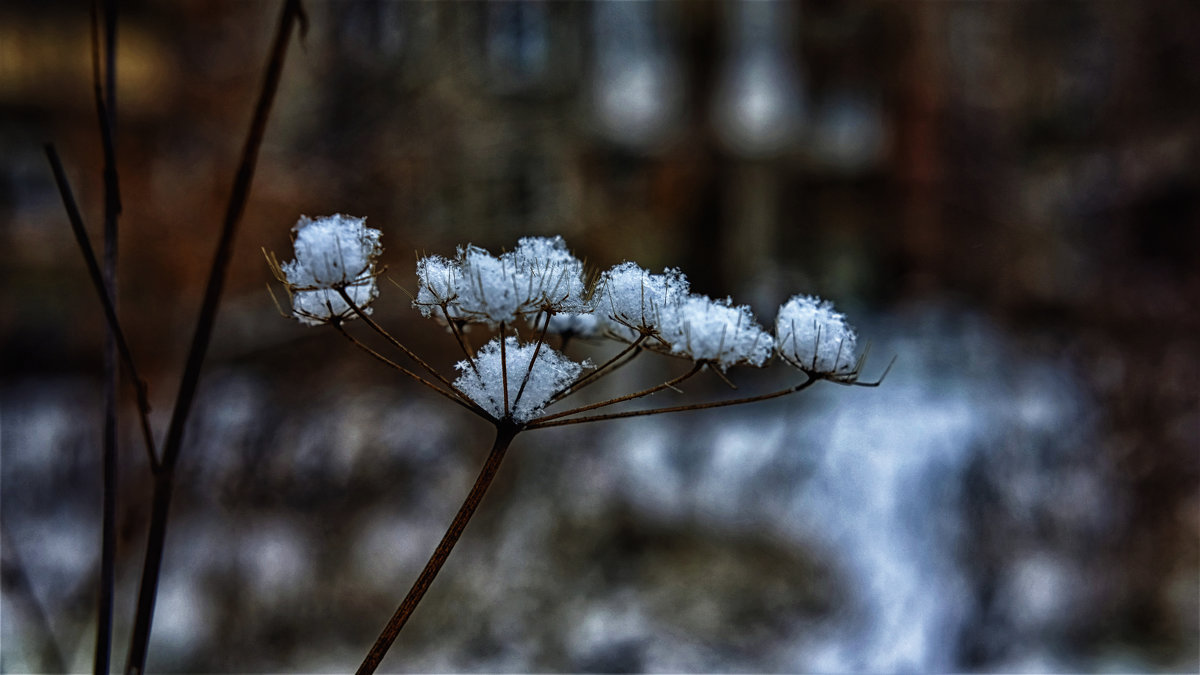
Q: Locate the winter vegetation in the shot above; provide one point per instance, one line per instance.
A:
(532, 302)
(1018, 497)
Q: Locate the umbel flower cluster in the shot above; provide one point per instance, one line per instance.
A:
(541, 289)
(531, 303)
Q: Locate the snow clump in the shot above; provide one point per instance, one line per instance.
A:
(540, 274)
(483, 378)
(333, 253)
(813, 337)
(718, 332)
(630, 301)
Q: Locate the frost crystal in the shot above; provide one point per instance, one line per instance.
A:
(715, 330)
(540, 274)
(630, 300)
(332, 252)
(813, 337)
(482, 379)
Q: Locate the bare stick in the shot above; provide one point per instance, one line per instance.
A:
(106, 111)
(537, 424)
(455, 396)
(504, 437)
(669, 384)
(291, 13)
(110, 312)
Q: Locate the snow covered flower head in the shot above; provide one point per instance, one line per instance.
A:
(530, 387)
(334, 254)
(815, 338)
(717, 332)
(539, 275)
(630, 301)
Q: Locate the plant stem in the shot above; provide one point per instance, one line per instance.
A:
(504, 436)
(588, 378)
(366, 318)
(110, 312)
(669, 384)
(455, 396)
(291, 13)
(106, 111)
(533, 359)
(536, 424)
(504, 367)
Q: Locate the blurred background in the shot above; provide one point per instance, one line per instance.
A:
(1003, 195)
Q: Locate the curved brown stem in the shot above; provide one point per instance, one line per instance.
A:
(504, 436)
(392, 339)
(454, 395)
(669, 384)
(542, 424)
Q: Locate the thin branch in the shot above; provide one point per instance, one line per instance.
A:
(455, 396)
(536, 350)
(392, 339)
(504, 367)
(583, 380)
(504, 437)
(110, 312)
(291, 13)
(106, 112)
(669, 384)
(538, 424)
(460, 338)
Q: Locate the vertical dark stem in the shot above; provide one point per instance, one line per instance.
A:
(163, 485)
(110, 313)
(106, 111)
(504, 436)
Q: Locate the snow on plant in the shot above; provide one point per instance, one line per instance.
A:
(815, 338)
(716, 332)
(477, 287)
(630, 302)
(533, 377)
(532, 302)
(335, 255)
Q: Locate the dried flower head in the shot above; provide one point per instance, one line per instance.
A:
(718, 332)
(334, 254)
(530, 388)
(630, 301)
(540, 275)
(813, 337)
